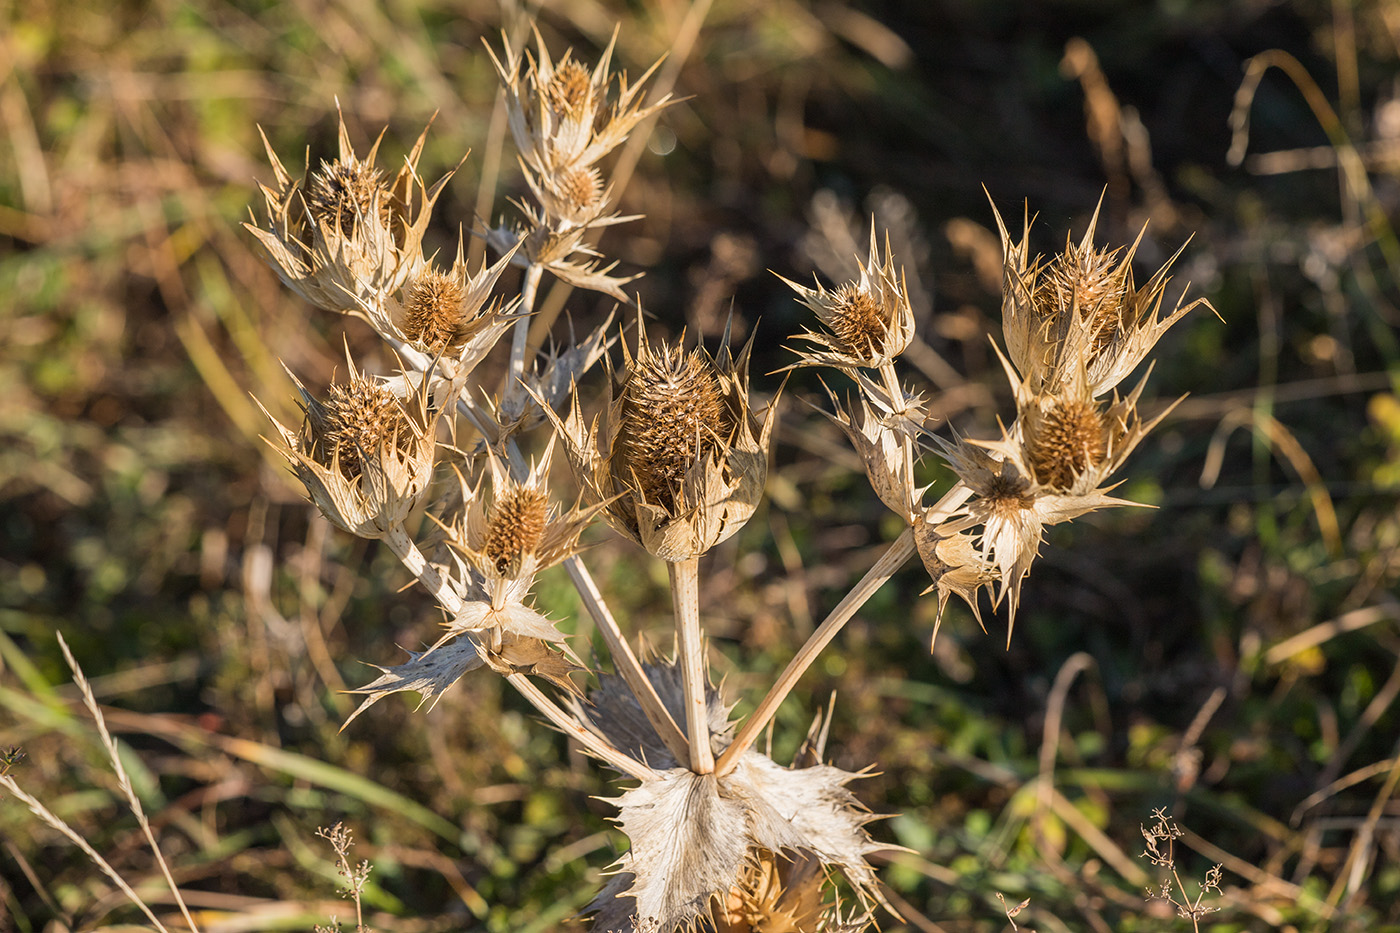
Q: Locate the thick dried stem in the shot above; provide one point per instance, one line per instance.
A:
(690, 647)
(520, 336)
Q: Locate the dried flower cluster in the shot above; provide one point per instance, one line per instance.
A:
(675, 460)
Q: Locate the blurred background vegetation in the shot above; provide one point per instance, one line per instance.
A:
(1231, 656)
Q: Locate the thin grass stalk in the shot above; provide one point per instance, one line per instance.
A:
(889, 563)
(690, 648)
(43, 813)
(123, 780)
(625, 661)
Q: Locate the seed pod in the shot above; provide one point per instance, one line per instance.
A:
(1080, 309)
(351, 234)
(679, 458)
(364, 454)
(870, 321)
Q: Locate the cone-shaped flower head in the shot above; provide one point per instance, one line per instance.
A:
(699, 841)
(869, 321)
(1051, 466)
(364, 453)
(351, 234)
(448, 313)
(1081, 308)
(564, 115)
(502, 542)
(680, 458)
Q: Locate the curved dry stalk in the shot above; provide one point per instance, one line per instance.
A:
(899, 552)
(625, 661)
(690, 648)
(123, 781)
(43, 813)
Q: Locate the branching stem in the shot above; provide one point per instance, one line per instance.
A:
(889, 563)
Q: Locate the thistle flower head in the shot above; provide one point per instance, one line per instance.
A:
(445, 313)
(1052, 465)
(869, 321)
(564, 115)
(1081, 309)
(347, 233)
(680, 458)
(364, 453)
(502, 542)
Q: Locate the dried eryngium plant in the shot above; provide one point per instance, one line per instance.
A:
(675, 461)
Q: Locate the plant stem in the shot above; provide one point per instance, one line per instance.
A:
(571, 727)
(900, 551)
(896, 391)
(685, 598)
(626, 663)
(412, 558)
(408, 554)
(520, 336)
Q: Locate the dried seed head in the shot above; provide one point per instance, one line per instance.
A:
(870, 319)
(365, 452)
(570, 88)
(516, 526)
(342, 192)
(1089, 282)
(856, 321)
(673, 414)
(1007, 496)
(359, 417)
(777, 893)
(578, 190)
(435, 310)
(1064, 441)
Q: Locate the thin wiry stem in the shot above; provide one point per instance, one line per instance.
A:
(123, 780)
(43, 813)
(900, 551)
(625, 661)
(442, 591)
(690, 648)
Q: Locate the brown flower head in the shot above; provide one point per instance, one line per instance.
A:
(1081, 309)
(351, 234)
(869, 321)
(502, 542)
(365, 453)
(564, 115)
(448, 314)
(680, 459)
(555, 230)
(1051, 466)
